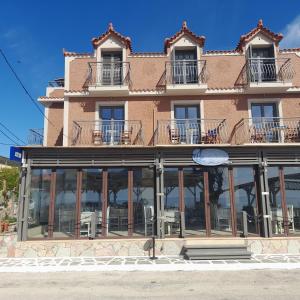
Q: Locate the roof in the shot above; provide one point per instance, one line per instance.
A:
(276, 37)
(111, 32)
(184, 31)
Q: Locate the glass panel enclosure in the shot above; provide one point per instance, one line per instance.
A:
(39, 199)
(143, 201)
(117, 207)
(245, 200)
(65, 203)
(220, 213)
(171, 202)
(91, 203)
(292, 194)
(194, 205)
(275, 200)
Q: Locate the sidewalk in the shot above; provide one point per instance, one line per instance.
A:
(163, 263)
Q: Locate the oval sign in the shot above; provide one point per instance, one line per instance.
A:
(210, 157)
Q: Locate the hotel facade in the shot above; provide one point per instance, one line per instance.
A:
(186, 143)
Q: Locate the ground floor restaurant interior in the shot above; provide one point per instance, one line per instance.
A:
(194, 201)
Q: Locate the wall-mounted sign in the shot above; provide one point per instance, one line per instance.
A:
(15, 154)
(210, 157)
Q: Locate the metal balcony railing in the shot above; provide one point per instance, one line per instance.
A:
(59, 82)
(191, 131)
(35, 136)
(107, 133)
(186, 72)
(267, 130)
(269, 70)
(108, 74)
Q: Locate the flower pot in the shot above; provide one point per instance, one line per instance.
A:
(6, 227)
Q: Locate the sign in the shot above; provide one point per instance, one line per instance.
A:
(15, 154)
(210, 157)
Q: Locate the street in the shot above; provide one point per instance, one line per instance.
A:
(231, 285)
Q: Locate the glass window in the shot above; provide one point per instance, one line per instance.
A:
(117, 209)
(171, 201)
(65, 203)
(194, 205)
(275, 200)
(143, 201)
(220, 213)
(91, 203)
(292, 193)
(245, 200)
(39, 199)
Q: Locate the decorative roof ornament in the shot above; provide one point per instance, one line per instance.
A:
(245, 38)
(184, 25)
(110, 26)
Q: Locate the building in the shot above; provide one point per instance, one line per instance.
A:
(182, 143)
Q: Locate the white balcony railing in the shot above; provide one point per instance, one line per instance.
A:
(108, 74)
(191, 131)
(186, 72)
(107, 133)
(267, 130)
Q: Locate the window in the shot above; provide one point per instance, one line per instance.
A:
(112, 68)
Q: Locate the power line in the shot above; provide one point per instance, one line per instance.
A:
(5, 144)
(27, 92)
(12, 133)
(8, 137)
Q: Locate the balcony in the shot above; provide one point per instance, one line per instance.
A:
(267, 130)
(35, 136)
(269, 74)
(186, 77)
(108, 78)
(191, 132)
(107, 133)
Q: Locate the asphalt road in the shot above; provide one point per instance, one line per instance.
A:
(260, 284)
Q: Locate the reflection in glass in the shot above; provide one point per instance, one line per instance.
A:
(275, 200)
(171, 204)
(194, 202)
(292, 192)
(91, 203)
(39, 199)
(65, 203)
(245, 199)
(219, 198)
(117, 210)
(143, 201)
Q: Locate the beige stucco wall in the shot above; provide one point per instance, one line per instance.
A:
(56, 116)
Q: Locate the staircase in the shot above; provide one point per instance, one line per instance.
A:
(215, 251)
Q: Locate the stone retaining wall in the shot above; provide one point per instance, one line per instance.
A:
(9, 247)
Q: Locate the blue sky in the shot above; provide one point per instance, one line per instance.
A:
(33, 33)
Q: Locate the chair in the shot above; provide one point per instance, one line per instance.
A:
(223, 218)
(211, 137)
(172, 219)
(290, 210)
(148, 217)
(97, 137)
(257, 135)
(126, 136)
(174, 135)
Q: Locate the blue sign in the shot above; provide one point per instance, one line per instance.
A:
(15, 154)
(210, 157)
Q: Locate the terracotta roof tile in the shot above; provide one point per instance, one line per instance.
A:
(67, 53)
(184, 30)
(276, 37)
(111, 31)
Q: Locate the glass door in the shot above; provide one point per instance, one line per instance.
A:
(265, 121)
(112, 68)
(187, 123)
(112, 123)
(194, 202)
(185, 67)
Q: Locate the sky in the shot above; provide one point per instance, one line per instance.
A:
(33, 34)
